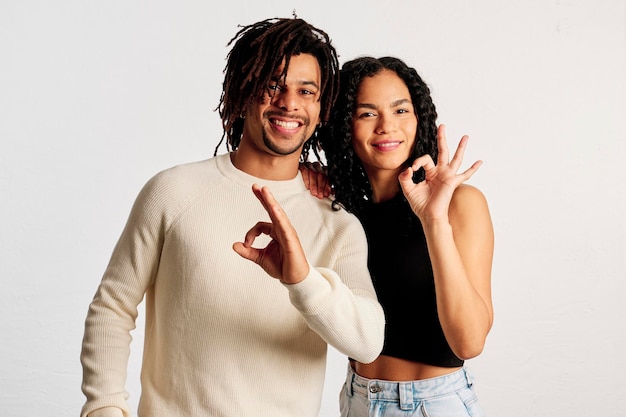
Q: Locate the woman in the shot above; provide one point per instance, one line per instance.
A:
(430, 239)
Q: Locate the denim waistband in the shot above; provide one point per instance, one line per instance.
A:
(407, 391)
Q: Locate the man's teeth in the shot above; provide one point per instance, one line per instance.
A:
(286, 125)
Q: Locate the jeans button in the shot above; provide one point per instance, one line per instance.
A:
(375, 388)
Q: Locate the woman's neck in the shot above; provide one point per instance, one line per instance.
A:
(384, 185)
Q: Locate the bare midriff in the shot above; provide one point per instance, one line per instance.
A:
(395, 369)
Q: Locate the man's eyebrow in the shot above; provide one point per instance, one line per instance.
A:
(281, 80)
(311, 82)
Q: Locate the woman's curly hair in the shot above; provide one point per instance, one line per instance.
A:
(345, 171)
(259, 50)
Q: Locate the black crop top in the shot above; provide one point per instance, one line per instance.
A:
(403, 279)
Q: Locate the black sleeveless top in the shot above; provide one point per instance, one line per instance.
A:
(403, 278)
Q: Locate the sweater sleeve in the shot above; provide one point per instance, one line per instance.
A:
(339, 301)
(113, 310)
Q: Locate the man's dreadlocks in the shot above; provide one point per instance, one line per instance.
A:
(260, 49)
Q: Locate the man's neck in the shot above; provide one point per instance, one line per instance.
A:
(264, 165)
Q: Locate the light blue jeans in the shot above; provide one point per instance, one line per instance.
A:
(449, 395)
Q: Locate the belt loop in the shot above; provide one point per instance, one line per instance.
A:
(468, 377)
(350, 381)
(405, 392)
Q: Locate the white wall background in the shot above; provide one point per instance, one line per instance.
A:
(96, 97)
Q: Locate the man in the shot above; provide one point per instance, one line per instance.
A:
(225, 336)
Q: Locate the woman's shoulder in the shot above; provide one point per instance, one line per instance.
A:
(469, 210)
(467, 193)
(468, 200)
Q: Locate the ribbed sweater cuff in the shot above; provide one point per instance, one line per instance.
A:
(308, 294)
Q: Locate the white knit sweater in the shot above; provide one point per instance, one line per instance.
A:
(223, 338)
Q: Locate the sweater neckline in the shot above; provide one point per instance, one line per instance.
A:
(230, 171)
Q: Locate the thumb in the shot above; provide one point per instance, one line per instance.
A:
(247, 252)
